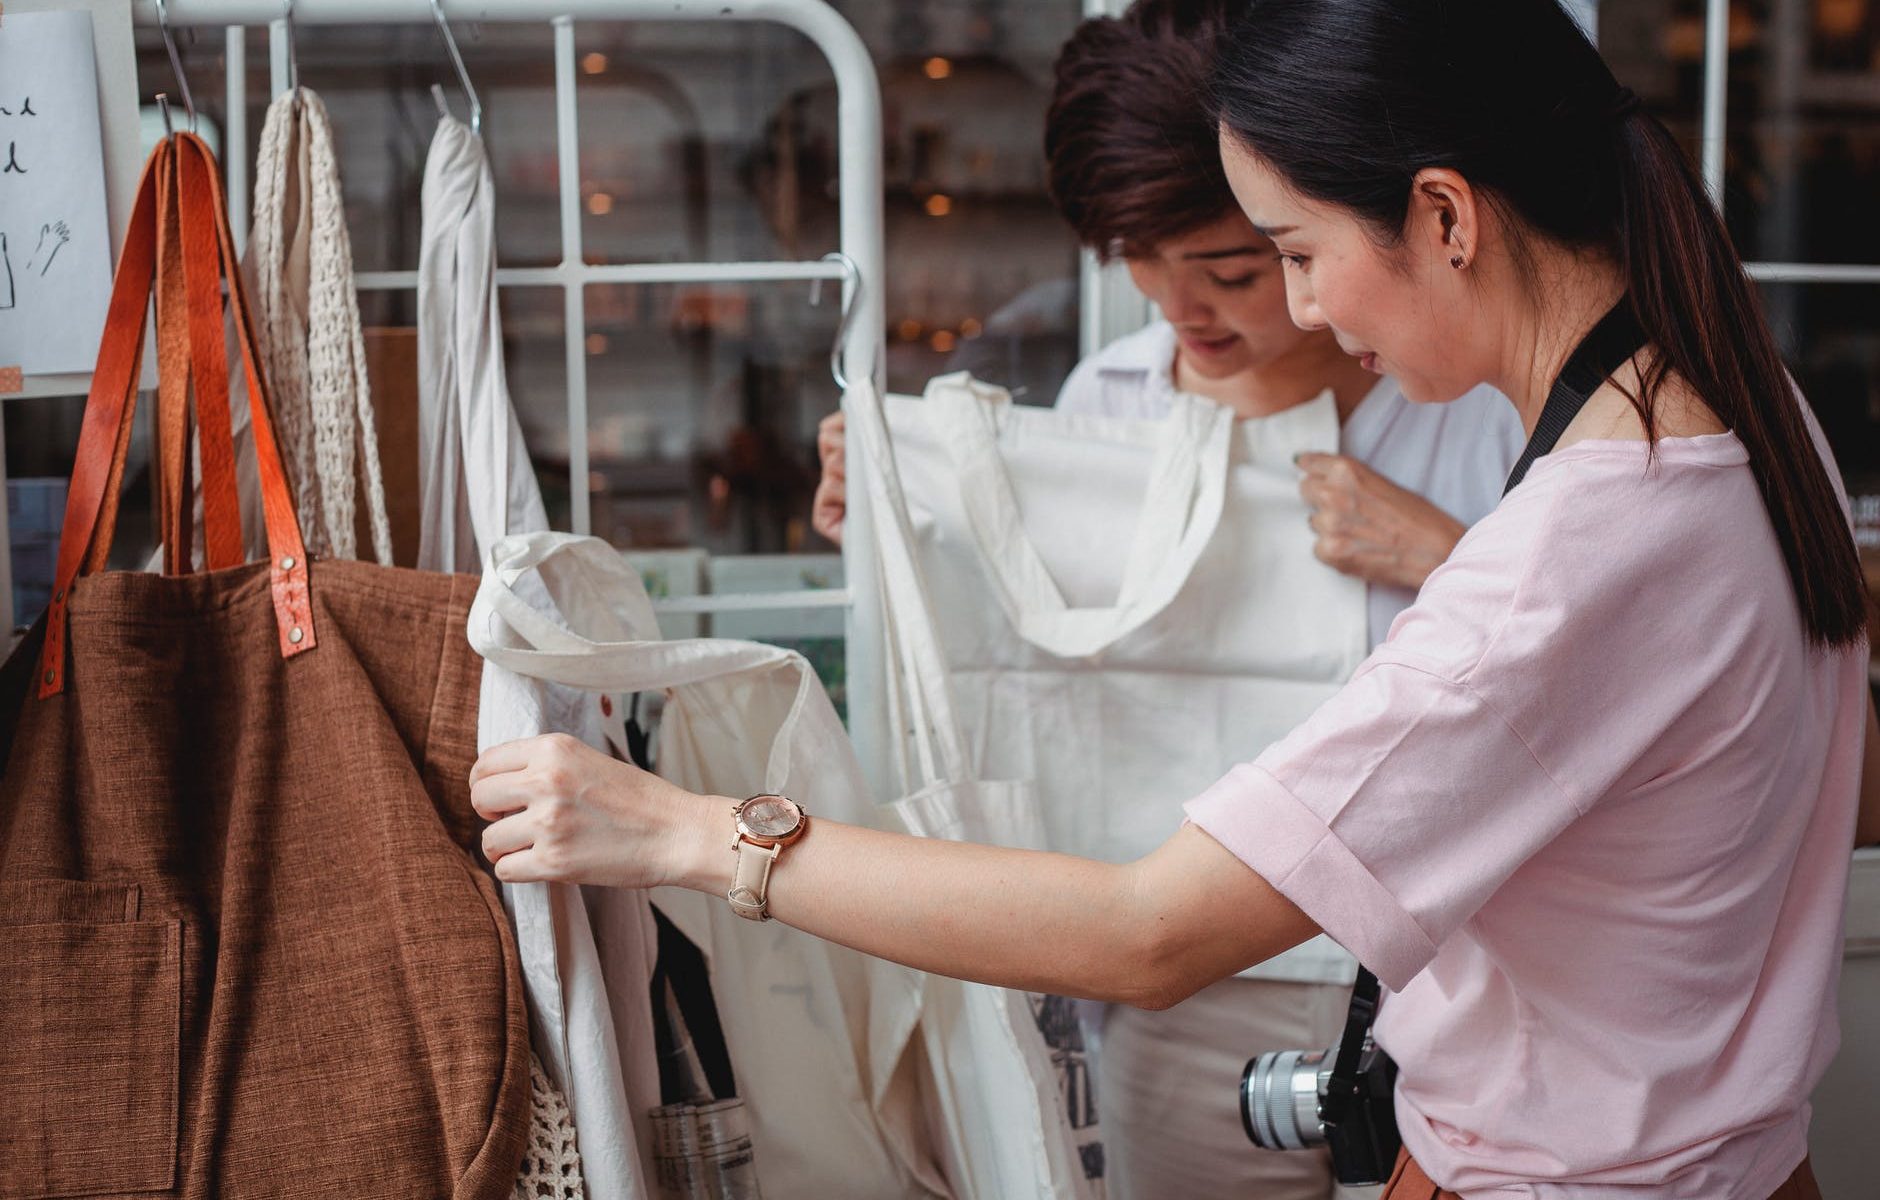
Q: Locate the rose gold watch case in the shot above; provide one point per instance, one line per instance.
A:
(760, 834)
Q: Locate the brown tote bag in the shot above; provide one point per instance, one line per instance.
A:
(246, 948)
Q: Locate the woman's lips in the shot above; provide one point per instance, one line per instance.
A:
(1209, 346)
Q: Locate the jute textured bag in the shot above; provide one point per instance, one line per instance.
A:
(247, 947)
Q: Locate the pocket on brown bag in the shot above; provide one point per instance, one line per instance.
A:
(92, 1001)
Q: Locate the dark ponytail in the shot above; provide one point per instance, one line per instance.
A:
(1349, 99)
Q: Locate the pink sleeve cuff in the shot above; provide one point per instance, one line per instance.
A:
(1265, 826)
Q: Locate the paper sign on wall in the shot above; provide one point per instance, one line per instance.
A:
(55, 241)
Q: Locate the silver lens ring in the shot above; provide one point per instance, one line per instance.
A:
(1280, 1102)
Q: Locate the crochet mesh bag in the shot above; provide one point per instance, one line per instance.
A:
(551, 1165)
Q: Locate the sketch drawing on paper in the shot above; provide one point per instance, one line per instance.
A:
(6, 275)
(57, 234)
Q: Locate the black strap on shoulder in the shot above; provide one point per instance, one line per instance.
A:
(1604, 350)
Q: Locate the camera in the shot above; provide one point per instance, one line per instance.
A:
(1341, 1098)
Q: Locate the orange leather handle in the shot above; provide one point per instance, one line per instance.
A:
(178, 238)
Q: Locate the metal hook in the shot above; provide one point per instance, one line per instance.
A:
(163, 110)
(293, 55)
(851, 303)
(176, 64)
(456, 59)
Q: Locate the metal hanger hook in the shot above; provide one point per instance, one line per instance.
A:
(176, 62)
(293, 55)
(456, 60)
(851, 303)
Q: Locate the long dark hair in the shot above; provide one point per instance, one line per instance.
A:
(1349, 99)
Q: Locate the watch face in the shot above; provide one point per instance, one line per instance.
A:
(771, 817)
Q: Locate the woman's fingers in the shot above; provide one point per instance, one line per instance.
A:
(830, 508)
(523, 866)
(497, 760)
(831, 442)
(507, 836)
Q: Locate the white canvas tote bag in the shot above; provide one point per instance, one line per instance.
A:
(993, 1088)
(1127, 608)
(822, 1038)
(587, 953)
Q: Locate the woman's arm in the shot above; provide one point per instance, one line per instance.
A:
(1149, 933)
(1867, 825)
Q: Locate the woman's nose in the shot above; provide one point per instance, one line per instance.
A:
(1184, 305)
(1301, 305)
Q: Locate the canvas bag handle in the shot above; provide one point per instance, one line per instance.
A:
(1181, 509)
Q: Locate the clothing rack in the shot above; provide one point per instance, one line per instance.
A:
(859, 266)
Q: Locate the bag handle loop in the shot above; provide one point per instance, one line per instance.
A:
(1181, 510)
(178, 240)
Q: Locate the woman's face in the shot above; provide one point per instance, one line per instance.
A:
(1402, 310)
(1222, 289)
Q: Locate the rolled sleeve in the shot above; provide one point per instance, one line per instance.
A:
(1391, 815)
(1291, 848)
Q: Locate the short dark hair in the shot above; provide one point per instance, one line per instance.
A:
(1130, 138)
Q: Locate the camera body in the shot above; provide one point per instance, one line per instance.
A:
(1298, 1100)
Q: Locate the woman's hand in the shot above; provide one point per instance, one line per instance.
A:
(1369, 527)
(563, 812)
(831, 504)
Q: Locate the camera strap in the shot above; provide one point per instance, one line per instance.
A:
(1602, 351)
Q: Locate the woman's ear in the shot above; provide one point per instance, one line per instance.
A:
(1445, 217)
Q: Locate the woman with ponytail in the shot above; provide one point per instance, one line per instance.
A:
(1587, 811)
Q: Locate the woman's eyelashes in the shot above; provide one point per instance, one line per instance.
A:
(1294, 260)
(1234, 283)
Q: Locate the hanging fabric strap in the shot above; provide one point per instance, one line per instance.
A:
(1604, 350)
(475, 480)
(301, 260)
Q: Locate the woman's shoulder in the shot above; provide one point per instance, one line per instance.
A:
(1127, 378)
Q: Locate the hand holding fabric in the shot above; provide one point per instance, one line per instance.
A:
(563, 812)
(1369, 527)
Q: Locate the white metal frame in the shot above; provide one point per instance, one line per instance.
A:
(861, 241)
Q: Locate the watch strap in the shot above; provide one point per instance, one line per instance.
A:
(750, 887)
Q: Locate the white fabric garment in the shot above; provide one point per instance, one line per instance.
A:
(587, 954)
(994, 1098)
(1126, 605)
(468, 435)
(1456, 455)
(307, 316)
(821, 1037)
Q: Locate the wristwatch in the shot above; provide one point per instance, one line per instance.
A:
(766, 824)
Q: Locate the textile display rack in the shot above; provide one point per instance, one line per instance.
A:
(858, 264)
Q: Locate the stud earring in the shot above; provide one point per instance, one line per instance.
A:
(1456, 262)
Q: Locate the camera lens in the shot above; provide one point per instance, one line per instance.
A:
(1279, 1098)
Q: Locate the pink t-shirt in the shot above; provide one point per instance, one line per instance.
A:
(1588, 814)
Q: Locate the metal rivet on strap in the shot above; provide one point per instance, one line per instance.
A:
(294, 635)
(287, 564)
(51, 675)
